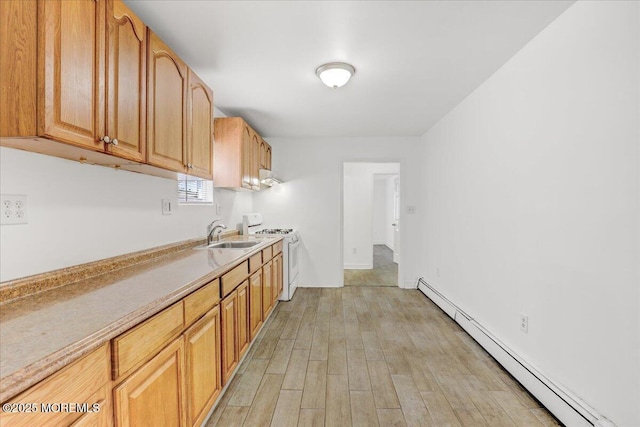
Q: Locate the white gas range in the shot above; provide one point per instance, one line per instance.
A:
(252, 224)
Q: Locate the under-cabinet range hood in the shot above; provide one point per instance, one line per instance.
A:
(269, 178)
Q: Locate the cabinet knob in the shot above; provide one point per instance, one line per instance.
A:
(106, 139)
(190, 166)
(114, 141)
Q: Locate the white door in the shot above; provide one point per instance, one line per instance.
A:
(396, 219)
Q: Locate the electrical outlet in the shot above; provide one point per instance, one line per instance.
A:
(14, 209)
(438, 272)
(166, 207)
(218, 209)
(524, 323)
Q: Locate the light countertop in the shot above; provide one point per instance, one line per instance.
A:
(44, 332)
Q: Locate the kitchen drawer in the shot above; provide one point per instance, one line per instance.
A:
(267, 254)
(255, 262)
(84, 381)
(233, 278)
(133, 348)
(277, 248)
(199, 302)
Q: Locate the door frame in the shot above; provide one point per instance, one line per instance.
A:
(402, 166)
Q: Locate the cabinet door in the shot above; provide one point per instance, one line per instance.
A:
(203, 360)
(247, 133)
(199, 128)
(229, 314)
(255, 162)
(153, 395)
(277, 277)
(255, 303)
(103, 418)
(126, 82)
(267, 284)
(166, 109)
(243, 318)
(268, 160)
(84, 381)
(18, 61)
(71, 56)
(263, 154)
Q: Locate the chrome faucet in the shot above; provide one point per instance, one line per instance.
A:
(211, 231)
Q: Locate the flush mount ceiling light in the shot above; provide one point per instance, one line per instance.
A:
(335, 74)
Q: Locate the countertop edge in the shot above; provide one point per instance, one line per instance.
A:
(28, 376)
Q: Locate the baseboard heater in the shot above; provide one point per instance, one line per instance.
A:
(568, 408)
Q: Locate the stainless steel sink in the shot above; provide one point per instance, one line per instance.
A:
(232, 245)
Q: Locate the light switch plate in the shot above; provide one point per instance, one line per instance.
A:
(13, 209)
(166, 207)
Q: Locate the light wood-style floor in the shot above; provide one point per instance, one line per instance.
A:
(383, 273)
(361, 356)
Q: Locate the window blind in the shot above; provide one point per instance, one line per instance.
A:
(194, 191)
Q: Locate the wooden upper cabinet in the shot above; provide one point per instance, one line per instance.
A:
(166, 106)
(265, 155)
(71, 57)
(268, 159)
(18, 46)
(237, 159)
(255, 161)
(199, 128)
(90, 74)
(247, 134)
(126, 82)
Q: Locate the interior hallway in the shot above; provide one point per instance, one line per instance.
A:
(367, 357)
(383, 273)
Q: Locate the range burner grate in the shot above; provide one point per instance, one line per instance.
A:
(275, 231)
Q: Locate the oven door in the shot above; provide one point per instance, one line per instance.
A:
(293, 260)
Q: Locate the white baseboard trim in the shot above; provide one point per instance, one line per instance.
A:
(358, 266)
(562, 403)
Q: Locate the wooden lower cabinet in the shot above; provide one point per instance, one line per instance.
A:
(267, 289)
(243, 318)
(255, 303)
(202, 356)
(168, 370)
(154, 394)
(277, 277)
(229, 320)
(104, 418)
(84, 381)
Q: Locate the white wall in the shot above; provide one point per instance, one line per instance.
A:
(358, 217)
(359, 212)
(380, 202)
(80, 213)
(531, 205)
(311, 198)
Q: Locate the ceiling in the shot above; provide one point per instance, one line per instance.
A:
(414, 60)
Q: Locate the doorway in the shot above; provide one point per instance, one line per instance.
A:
(371, 224)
